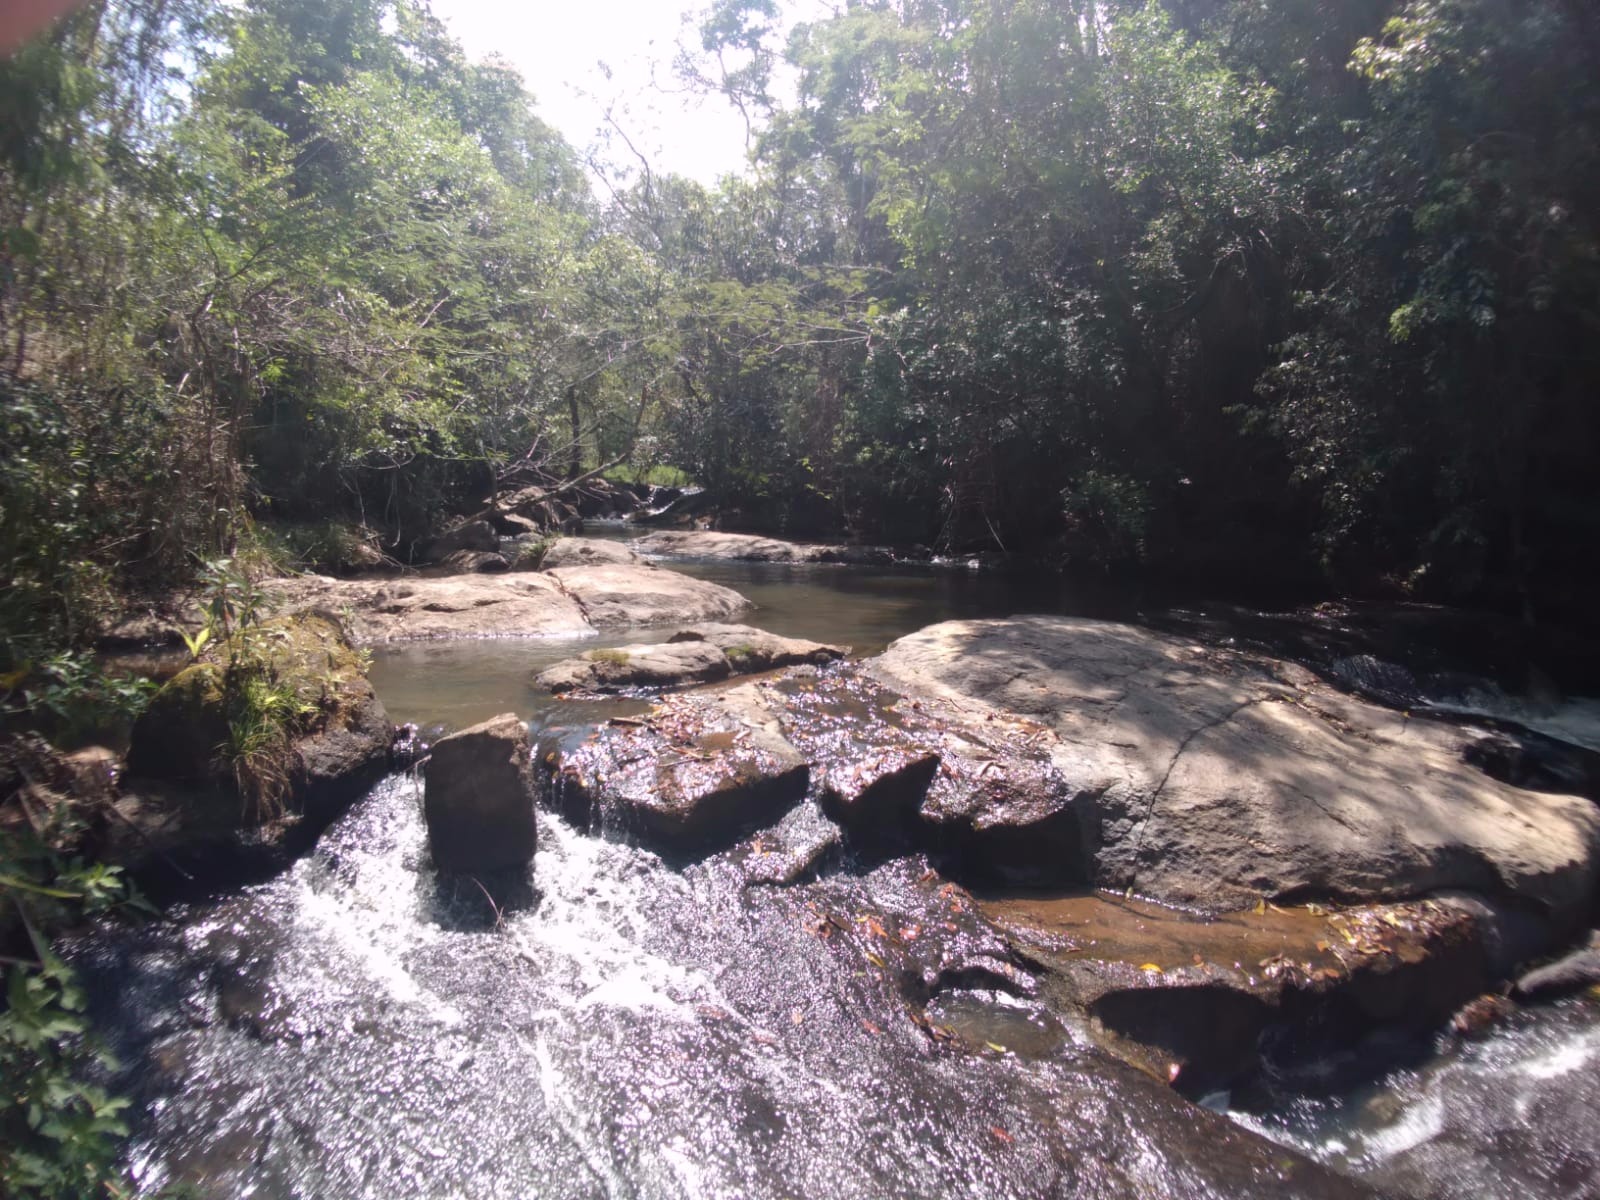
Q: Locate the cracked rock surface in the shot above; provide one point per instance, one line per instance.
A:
(1219, 777)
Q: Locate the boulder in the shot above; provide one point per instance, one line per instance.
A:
(479, 798)
(793, 849)
(587, 552)
(231, 771)
(981, 791)
(602, 498)
(617, 595)
(691, 779)
(470, 535)
(750, 650)
(513, 525)
(336, 734)
(1209, 777)
(627, 667)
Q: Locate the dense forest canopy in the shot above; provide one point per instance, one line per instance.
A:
(1216, 289)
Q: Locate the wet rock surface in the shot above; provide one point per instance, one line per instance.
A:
(479, 798)
(800, 995)
(1204, 1001)
(978, 790)
(690, 778)
(999, 798)
(644, 1030)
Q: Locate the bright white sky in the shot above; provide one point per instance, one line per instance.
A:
(559, 48)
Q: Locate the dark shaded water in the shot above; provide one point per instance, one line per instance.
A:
(356, 1028)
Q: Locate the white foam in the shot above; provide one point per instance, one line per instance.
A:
(1564, 1059)
(1421, 1123)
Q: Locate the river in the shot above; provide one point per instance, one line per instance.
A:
(355, 1027)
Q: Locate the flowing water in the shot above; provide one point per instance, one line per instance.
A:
(357, 1027)
(352, 1028)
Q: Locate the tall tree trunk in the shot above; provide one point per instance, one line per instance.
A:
(575, 453)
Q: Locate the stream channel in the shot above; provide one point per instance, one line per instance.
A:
(357, 1028)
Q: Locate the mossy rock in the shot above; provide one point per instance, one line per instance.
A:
(177, 736)
(336, 728)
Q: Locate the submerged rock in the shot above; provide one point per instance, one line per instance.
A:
(1580, 969)
(479, 798)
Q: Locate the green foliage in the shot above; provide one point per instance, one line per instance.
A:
(60, 1132)
(72, 697)
(529, 556)
(617, 658)
(263, 713)
(1302, 275)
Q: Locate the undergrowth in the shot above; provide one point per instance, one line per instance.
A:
(60, 1130)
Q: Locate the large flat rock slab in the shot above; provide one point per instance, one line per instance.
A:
(701, 654)
(750, 650)
(744, 547)
(452, 606)
(569, 602)
(617, 595)
(1219, 777)
(586, 552)
(629, 668)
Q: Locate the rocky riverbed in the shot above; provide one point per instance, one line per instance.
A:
(968, 917)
